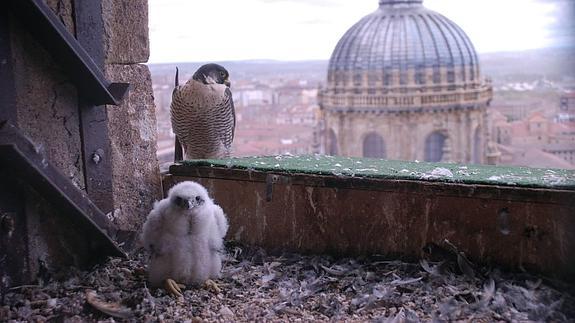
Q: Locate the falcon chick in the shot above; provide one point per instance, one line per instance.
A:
(184, 236)
(203, 115)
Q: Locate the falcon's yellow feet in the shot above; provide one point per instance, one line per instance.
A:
(212, 286)
(173, 288)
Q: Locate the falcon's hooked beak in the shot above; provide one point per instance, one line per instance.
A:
(227, 82)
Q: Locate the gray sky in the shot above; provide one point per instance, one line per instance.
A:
(220, 30)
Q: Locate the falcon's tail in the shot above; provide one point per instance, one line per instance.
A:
(176, 81)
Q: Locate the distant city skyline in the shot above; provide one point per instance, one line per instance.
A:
(224, 30)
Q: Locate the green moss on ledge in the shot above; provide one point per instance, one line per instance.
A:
(400, 170)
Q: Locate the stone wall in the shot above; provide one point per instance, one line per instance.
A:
(48, 106)
(46, 99)
(132, 125)
(126, 31)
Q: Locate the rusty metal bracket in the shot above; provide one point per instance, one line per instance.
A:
(96, 148)
(46, 28)
(27, 163)
(272, 179)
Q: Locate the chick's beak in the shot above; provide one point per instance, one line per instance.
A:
(195, 202)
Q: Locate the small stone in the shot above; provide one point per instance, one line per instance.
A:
(225, 311)
(52, 302)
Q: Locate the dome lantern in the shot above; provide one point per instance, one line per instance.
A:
(393, 2)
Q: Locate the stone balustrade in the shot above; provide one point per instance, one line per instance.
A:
(430, 99)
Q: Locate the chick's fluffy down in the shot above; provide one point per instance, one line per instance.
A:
(185, 244)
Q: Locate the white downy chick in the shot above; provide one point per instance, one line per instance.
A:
(184, 236)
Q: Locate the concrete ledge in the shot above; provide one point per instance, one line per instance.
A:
(517, 227)
(351, 167)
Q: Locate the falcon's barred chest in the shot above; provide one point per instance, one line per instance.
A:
(203, 119)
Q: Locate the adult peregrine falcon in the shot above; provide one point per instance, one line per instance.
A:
(202, 113)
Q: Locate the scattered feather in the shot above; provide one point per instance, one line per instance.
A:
(432, 271)
(464, 265)
(267, 278)
(398, 282)
(334, 272)
(112, 309)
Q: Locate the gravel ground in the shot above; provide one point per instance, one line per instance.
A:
(256, 287)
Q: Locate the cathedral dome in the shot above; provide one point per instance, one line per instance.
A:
(403, 47)
(404, 83)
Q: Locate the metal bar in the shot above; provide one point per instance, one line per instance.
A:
(27, 164)
(94, 119)
(44, 25)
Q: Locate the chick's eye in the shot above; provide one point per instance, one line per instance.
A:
(198, 198)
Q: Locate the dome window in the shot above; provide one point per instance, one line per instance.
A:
(373, 146)
(357, 79)
(387, 78)
(450, 76)
(434, 146)
(436, 74)
(419, 77)
(477, 146)
(331, 143)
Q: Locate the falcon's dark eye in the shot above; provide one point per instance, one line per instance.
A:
(222, 74)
